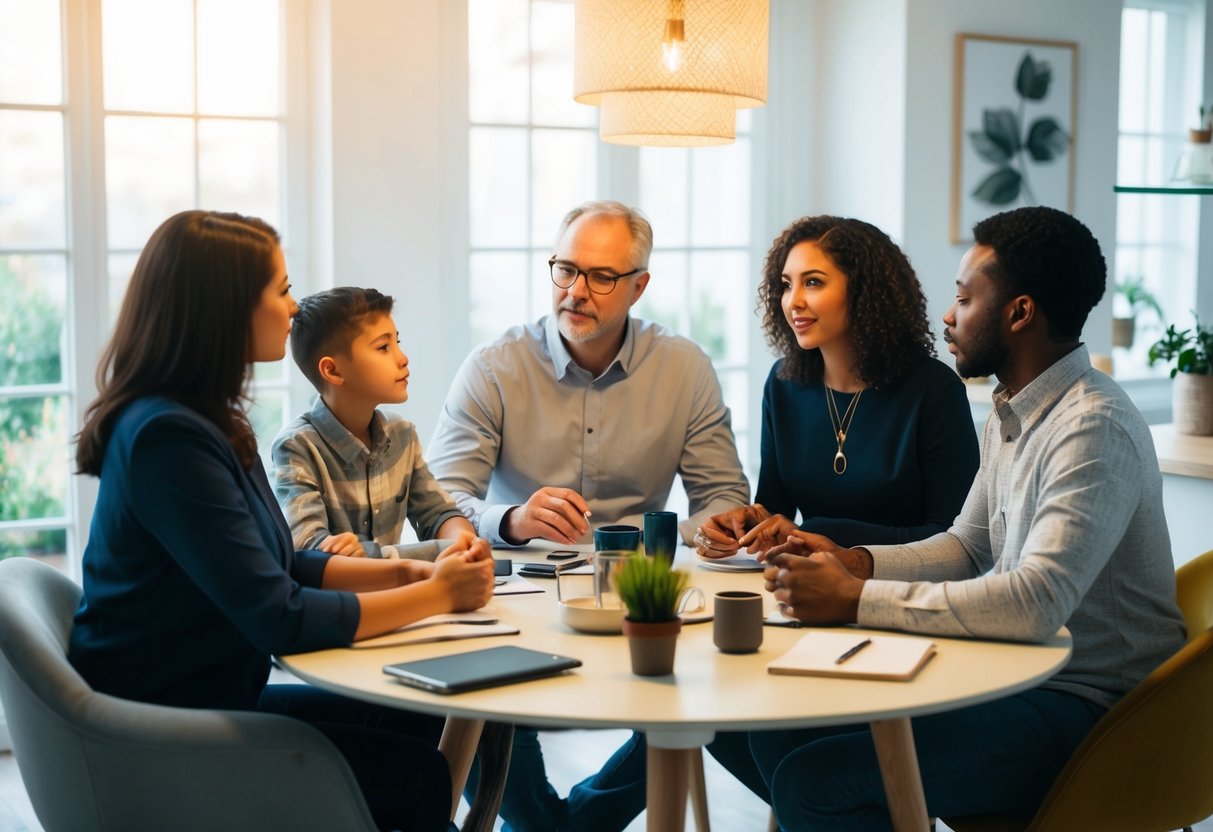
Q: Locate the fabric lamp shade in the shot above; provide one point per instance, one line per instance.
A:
(670, 72)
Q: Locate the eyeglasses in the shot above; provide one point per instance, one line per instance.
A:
(597, 281)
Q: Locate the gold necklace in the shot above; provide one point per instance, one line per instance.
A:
(841, 426)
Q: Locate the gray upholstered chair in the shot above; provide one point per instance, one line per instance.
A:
(95, 762)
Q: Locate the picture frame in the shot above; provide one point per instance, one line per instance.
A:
(1014, 122)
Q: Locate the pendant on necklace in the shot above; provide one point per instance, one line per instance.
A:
(840, 462)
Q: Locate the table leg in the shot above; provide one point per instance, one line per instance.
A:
(899, 768)
(668, 772)
(458, 745)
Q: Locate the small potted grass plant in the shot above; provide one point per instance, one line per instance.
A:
(649, 589)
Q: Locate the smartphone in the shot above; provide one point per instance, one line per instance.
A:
(503, 567)
(538, 570)
(562, 554)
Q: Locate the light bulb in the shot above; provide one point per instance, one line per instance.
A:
(672, 45)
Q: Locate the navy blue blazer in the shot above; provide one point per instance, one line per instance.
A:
(190, 578)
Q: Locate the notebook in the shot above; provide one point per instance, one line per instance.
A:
(894, 658)
(445, 627)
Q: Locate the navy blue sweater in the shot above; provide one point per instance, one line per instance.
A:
(190, 580)
(911, 457)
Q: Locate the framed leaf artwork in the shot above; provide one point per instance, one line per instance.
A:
(1013, 121)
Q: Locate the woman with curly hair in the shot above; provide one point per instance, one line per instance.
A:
(864, 432)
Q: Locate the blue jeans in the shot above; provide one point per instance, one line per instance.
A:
(998, 757)
(393, 753)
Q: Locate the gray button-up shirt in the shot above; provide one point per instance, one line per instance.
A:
(1064, 525)
(328, 482)
(521, 414)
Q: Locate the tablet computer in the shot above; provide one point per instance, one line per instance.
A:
(480, 669)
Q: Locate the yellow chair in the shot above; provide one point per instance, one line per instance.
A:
(1194, 592)
(1147, 766)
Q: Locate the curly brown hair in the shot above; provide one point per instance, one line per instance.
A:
(886, 308)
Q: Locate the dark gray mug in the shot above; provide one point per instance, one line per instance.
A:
(618, 536)
(737, 622)
(660, 534)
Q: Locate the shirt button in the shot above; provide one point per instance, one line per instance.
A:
(589, 430)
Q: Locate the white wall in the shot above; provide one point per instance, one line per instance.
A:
(932, 25)
(391, 159)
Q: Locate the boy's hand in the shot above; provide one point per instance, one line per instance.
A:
(346, 544)
(467, 576)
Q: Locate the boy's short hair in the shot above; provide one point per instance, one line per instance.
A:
(328, 322)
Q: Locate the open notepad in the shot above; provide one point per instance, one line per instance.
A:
(895, 658)
(445, 627)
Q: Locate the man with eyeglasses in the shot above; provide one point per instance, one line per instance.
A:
(585, 416)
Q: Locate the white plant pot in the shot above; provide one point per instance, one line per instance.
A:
(1192, 404)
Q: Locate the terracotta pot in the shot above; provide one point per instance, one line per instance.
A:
(1200, 136)
(1192, 404)
(1123, 330)
(652, 645)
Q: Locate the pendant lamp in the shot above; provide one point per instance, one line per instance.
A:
(670, 72)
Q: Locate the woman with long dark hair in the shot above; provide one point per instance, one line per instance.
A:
(865, 433)
(190, 579)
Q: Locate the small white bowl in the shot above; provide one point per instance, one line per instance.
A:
(579, 613)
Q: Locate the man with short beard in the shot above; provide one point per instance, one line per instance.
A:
(1064, 525)
(586, 414)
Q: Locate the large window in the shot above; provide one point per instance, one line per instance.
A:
(114, 114)
(1157, 234)
(534, 154)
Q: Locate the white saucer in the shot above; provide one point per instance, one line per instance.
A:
(736, 563)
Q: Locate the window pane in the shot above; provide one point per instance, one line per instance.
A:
(273, 372)
(564, 174)
(540, 283)
(497, 178)
(497, 61)
(31, 321)
(720, 190)
(737, 397)
(238, 167)
(149, 172)
(32, 213)
(663, 193)
(664, 299)
(33, 458)
(720, 304)
(30, 52)
(120, 268)
(498, 282)
(48, 546)
(148, 48)
(552, 75)
(1133, 70)
(238, 57)
(267, 415)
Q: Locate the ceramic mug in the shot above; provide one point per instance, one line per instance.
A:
(737, 627)
(620, 536)
(660, 534)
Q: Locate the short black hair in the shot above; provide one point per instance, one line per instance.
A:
(328, 322)
(1051, 256)
(885, 304)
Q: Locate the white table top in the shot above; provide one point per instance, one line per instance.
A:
(708, 691)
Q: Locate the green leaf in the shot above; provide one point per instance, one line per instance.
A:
(999, 188)
(1033, 78)
(987, 148)
(1002, 127)
(1046, 139)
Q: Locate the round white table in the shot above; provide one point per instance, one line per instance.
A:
(708, 691)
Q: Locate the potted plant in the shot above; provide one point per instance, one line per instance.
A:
(1203, 132)
(1192, 395)
(649, 589)
(1136, 297)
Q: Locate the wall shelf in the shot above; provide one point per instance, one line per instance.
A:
(1187, 188)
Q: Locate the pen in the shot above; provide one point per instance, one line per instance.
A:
(853, 651)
